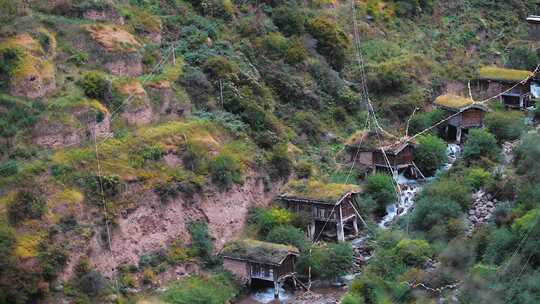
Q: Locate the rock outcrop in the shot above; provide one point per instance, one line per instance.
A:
(120, 49)
(32, 74)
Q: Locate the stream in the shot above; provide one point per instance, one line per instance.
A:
(409, 189)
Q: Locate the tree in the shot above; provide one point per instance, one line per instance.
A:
(413, 252)
(505, 125)
(289, 19)
(430, 154)
(481, 144)
(95, 85)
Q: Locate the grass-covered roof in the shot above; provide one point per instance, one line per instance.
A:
(453, 101)
(502, 74)
(258, 251)
(318, 191)
(371, 140)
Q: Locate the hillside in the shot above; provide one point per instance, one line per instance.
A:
(137, 137)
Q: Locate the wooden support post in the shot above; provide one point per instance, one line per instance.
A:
(276, 289)
(458, 135)
(355, 226)
(311, 230)
(339, 227)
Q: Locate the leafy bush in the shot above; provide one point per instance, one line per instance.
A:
(304, 169)
(328, 261)
(197, 85)
(275, 43)
(225, 170)
(9, 167)
(430, 154)
(480, 144)
(380, 186)
(307, 123)
(295, 53)
(505, 125)
(220, 67)
(289, 19)
(331, 40)
(216, 289)
(195, 156)
(478, 178)
(527, 155)
(267, 219)
(523, 58)
(95, 85)
(448, 188)
(288, 235)
(413, 252)
(422, 121)
(92, 283)
(281, 162)
(500, 244)
(26, 205)
(432, 212)
(201, 242)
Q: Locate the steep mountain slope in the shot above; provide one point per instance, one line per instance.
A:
(123, 121)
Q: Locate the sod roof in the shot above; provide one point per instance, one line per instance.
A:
(372, 140)
(314, 190)
(258, 251)
(453, 101)
(502, 74)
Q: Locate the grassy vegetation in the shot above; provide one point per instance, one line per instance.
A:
(510, 75)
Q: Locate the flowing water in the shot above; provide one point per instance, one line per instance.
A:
(410, 187)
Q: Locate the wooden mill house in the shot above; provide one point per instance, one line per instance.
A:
(465, 115)
(515, 86)
(373, 149)
(250, 260)
(328, 208)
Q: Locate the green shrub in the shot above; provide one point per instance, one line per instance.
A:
(501, 242)
(95, 85)
(481, 144)
(430, 154)
(350, 298)
(216, 289)
(332, 42)
(220, 67)
(309, 124)
(9, 167)
(478, 178)
(295, 53)
(527, 154)
(422, 121)
(523, 58)
(201, 242)
(26, 205)
(381, 187)
(505, 125)
(267, 219)
(195, 157)
(429, 213)
(281, 162)
(413, 252)
(177, 253)
(448, 188)
(52, 259)
(289, 19)
(275, 43)
(92, 283)
(304, 169)
(288, 235)
(197, 85)
(328, 261)
(225, 170)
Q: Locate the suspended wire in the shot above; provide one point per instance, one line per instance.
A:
(105, 212)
